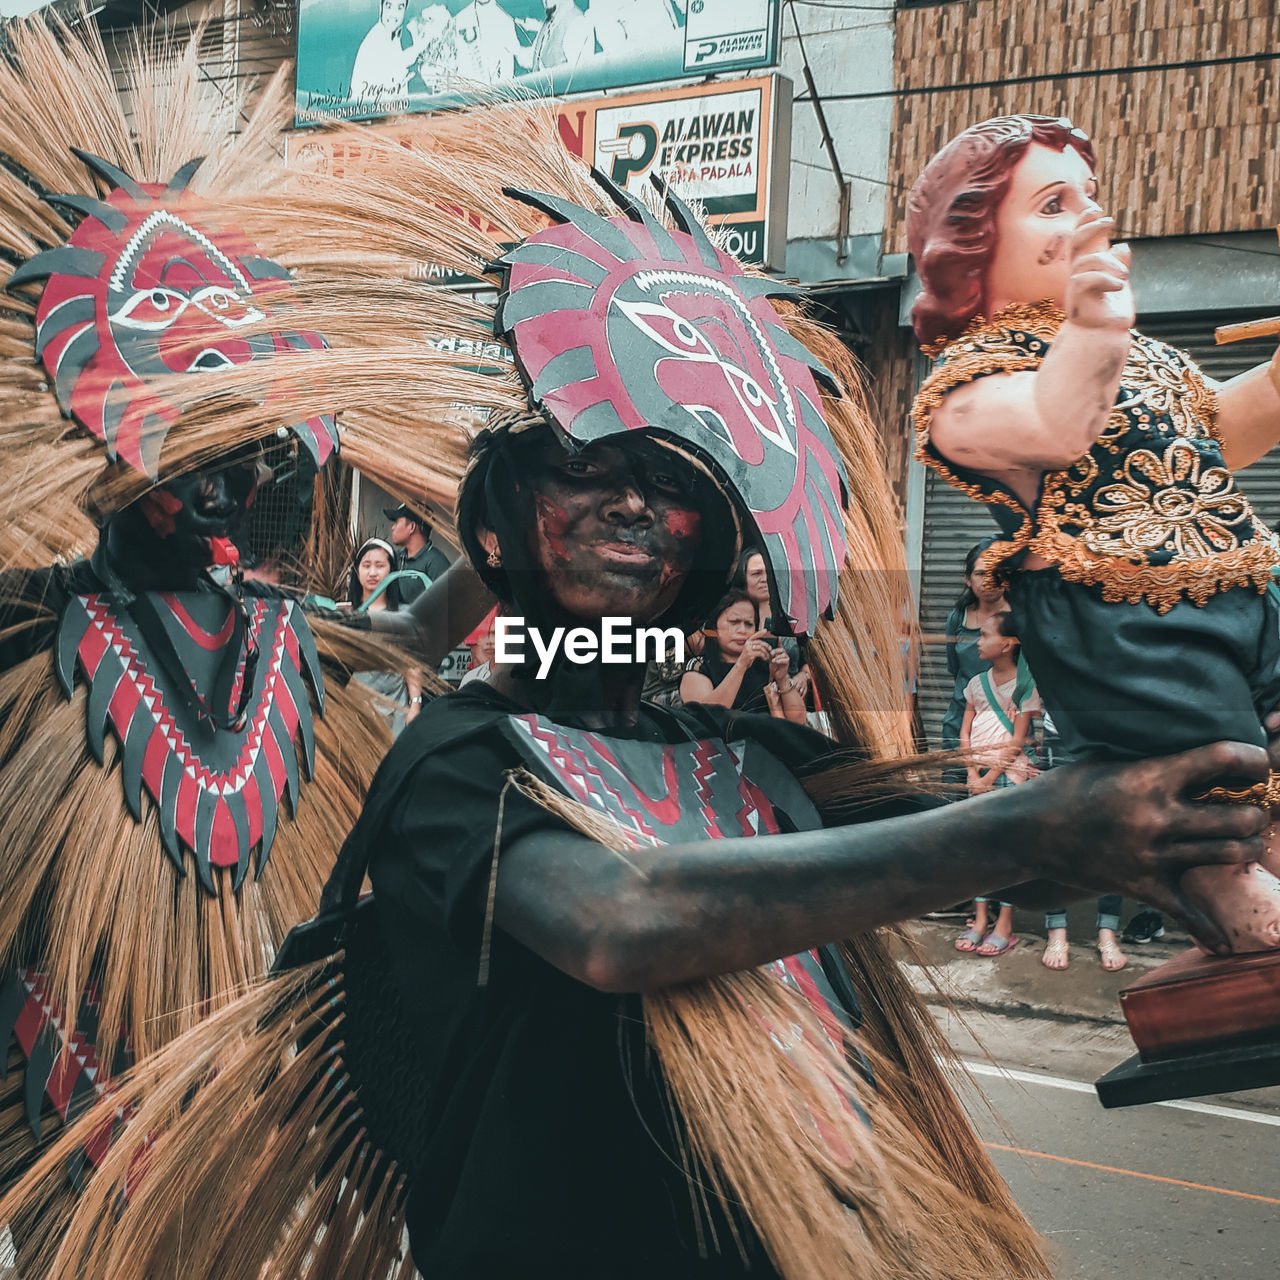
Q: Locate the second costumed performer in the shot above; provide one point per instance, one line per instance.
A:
(557, 1040)
(1136, 569)
(180, 755)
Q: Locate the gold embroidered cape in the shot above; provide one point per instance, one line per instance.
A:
(1150, 512)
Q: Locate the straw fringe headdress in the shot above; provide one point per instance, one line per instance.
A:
(253, 1114)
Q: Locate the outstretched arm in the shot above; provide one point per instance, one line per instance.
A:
(673, 914)
(1026, 423)
(1249, 414)
(439, 617)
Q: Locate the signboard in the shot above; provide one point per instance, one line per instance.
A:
(726, 146)
(360, 59)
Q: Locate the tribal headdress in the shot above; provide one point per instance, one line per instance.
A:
(140, 291)
(623, 324)
(124, 271)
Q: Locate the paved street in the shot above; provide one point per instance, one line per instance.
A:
(1148, 1191)
(1188, 1190)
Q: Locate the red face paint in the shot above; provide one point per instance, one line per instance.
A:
(684, 527)
(160, 507)
(554, 522)
(683, 524)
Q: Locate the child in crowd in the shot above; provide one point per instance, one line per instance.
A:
(995, 735)
(483, 644)
(980, 600)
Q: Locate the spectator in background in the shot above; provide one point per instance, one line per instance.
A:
(994, 735)
(399, 693)
(978, 601)
(742, 667)
(482, 644)
(753, 578)
(1056, 951)
(411, 535)
(370, 567)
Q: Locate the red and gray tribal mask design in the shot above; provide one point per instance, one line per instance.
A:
(619, 324)
(141, 292)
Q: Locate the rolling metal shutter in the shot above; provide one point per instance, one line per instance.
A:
(953, 523)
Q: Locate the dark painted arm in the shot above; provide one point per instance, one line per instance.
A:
(682, 912)
(439, 617)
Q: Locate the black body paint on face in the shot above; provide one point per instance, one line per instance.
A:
(167, 539)
(616, 528)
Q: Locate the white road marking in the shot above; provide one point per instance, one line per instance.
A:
(1079, 1086)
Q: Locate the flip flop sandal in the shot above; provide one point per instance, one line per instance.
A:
(999, 944)
(1055, 951)
(969, 940)
(1111, 957)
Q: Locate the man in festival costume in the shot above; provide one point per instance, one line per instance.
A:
(179, 762)
(556, 1042)
(1138, 572)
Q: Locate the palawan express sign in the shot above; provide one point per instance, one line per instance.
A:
(726, 146)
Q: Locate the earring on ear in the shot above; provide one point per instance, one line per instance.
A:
(495, 559)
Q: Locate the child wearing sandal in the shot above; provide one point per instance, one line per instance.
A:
(995, 735)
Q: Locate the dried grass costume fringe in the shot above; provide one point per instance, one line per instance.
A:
(103, 929)
(247, 1117)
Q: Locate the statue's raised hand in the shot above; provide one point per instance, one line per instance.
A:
(1098, 292)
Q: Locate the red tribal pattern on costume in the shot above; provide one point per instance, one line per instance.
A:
(69, 1073)
(217, 784)
(665, 793)
(620, 324)
(144, 290)
(659, 793)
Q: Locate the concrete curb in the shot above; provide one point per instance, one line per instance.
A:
(1017, 984)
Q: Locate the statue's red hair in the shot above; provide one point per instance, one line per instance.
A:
(951, 214)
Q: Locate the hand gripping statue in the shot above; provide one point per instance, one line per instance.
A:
(179, 759)
(1137, 570)
(596, 1018)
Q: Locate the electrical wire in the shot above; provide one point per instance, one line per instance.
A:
(1051, 76)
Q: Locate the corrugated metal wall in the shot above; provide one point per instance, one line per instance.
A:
(953, 523)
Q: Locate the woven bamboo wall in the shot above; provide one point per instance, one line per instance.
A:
(1188, 150)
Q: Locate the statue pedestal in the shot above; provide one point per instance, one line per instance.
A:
(1202, 1024)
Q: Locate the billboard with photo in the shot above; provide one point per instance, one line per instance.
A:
(361, 59)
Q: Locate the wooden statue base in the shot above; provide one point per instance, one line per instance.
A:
(1202, 1024)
